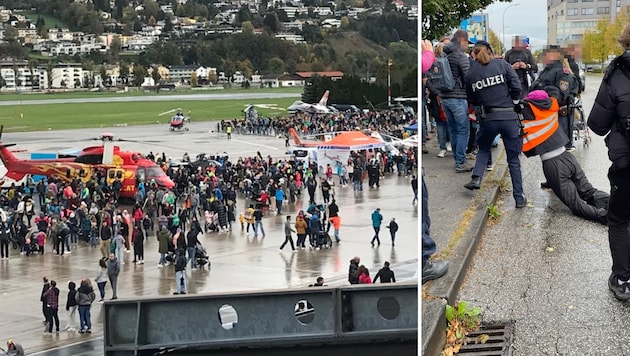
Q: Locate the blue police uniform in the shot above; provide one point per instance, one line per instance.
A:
(495, 88)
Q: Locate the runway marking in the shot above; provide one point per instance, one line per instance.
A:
(66, 346)
(255, 144)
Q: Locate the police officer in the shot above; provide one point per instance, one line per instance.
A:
(609, 116)
(493, 86)
(558, 75)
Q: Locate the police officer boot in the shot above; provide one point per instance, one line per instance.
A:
(475, 183)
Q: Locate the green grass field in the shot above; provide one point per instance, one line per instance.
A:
(50, 22)
(135, 92)
(20, 118)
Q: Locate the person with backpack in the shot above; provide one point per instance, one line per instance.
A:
(494, 87)
(454, 69)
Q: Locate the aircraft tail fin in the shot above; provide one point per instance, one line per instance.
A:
(296, 138)
(324, 99)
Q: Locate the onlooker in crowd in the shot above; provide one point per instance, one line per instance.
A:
(106, 236)
(393, 228)
(14, 349)
(71, 307)
(353, 277)
(301, 228)
(454, 102)
(319, 282)
(113, 269)
(364, 275)
(101, 278)
(377, 219)
(180, 272)
(84, 298)
(287, 234)
(45, 288)
(51, 297)
(163, 236)
(385, 274)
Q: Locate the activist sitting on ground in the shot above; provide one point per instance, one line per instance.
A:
(562, 170)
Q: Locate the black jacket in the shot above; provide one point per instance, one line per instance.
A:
(557, 76)
(460, 65)
(515, 55)
(493, 85)
(180, 263)
(386, 275)
(612, 104)
(353, 278)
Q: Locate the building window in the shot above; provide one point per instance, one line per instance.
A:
(587, 0)
(561, 12)
(570, 1)
(618, 3)
(572, 12)
(587, 11)
(603, 10)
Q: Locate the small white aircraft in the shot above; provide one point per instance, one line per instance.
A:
(319, 108)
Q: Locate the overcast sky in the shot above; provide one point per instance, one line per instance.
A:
(527, 19)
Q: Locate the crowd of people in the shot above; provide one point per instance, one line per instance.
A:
(55, 216)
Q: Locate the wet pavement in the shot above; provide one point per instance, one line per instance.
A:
(546, 270)
(238, 262)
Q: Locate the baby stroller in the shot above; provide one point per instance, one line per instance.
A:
(201, 256)
(323, 240)
(212, 221)
(580, 129)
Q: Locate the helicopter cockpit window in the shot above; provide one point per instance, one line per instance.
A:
(154, 172)
(89, 159)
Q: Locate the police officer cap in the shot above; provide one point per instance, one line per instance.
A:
(484, 44)
(554, 48)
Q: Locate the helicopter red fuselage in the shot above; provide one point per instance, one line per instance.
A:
(127, 166)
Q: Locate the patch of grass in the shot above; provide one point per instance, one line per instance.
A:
(494, 212)
(12, 96)
(50, 21)
(81, 115)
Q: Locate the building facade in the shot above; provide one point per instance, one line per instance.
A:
(568, 20)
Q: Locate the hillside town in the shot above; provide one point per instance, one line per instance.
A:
(48, 44)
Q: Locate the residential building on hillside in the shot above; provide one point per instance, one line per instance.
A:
(291, 37)
(17, 75)
(290, 80)
(67, 75)
(270, 81)
(568, 20)
(181, 73)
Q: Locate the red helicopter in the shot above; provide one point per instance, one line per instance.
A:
(127, 166)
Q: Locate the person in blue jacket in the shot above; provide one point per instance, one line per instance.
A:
(493, 86)
(377, 219)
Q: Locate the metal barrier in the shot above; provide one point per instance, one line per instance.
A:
(277, 318)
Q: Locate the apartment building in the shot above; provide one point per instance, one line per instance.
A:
(568, 20)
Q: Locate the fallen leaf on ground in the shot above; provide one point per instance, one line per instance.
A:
(483, 338)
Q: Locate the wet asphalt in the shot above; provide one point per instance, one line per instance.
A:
(238, 261)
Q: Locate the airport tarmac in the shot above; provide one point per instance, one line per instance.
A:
(238, 261)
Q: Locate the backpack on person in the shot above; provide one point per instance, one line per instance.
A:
(440, 76)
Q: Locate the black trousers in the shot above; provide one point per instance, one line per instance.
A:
(568, 181)
(289, 239)
(619, 222)
(4, 248)
(52, 315)
(377, 229)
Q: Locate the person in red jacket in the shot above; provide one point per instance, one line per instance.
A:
(364, 275)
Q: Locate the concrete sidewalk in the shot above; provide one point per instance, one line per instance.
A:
(458, 220)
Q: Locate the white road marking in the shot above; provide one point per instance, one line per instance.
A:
(255, 144)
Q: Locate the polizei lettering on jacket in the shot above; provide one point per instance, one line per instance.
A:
(488, 82)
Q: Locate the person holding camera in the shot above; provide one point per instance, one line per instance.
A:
(522, 60)
(610, 116)
(493, 87)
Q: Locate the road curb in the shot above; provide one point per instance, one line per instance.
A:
(447, 287)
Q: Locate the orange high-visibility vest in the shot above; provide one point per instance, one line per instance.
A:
(545, 123)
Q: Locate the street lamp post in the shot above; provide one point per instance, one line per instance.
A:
(503, 25)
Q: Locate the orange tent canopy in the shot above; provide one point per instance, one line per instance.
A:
(355, 140)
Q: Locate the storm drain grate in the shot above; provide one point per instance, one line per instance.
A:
(499, 343)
